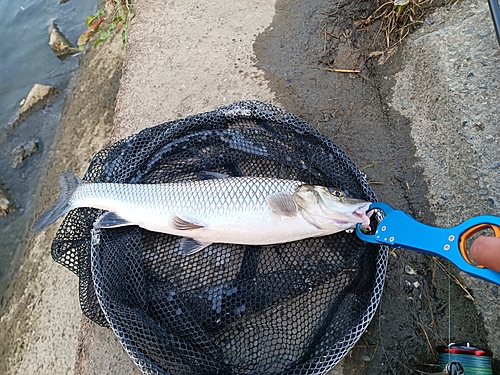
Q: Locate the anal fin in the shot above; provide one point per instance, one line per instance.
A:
(190, 246)
(111, 220)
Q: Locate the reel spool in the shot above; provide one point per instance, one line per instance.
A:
(458, 359)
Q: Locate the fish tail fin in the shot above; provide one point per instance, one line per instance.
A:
(68, 183)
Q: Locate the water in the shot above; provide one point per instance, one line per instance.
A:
(25, 56)
(25, 59)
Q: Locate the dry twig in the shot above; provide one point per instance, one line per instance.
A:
(397, 20)
(342, 70)
(454, 278)
(430, 348)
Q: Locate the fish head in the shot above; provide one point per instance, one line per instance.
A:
(330, 209)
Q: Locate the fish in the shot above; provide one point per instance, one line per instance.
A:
(214, 209)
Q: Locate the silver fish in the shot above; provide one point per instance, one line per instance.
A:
(221, 209)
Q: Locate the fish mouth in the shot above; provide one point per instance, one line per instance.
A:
(360, 215)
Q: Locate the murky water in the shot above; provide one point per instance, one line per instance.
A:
(25, 59)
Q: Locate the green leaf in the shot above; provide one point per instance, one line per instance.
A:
(124, 36)
(98, 41)
(90, 19)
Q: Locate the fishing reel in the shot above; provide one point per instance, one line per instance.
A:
(454, 368)
(461, 359)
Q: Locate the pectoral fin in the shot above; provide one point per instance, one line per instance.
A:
(190, 246)
(282, 204)
(111, 220)
(180, 224)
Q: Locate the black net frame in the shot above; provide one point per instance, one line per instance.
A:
(293, 308)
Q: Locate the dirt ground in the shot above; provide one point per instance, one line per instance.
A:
(357, 111)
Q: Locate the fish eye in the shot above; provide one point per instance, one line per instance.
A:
(336, 192)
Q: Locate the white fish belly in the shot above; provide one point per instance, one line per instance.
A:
(259, 233)
(253, 228)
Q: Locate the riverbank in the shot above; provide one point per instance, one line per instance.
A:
(42, 317)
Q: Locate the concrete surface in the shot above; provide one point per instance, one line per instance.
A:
(182, 57)
(449, 87)
(188, 56)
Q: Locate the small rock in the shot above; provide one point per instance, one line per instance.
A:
(412, 289)
(60, 44)
(430, 20)
(6, 205)
(409, 270)
(494, 291)
(38, 97)
(432, 117)
(21, 152)
(494, 165)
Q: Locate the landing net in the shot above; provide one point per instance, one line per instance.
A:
(293, 308)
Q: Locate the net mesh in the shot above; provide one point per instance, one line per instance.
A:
(293, 308)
